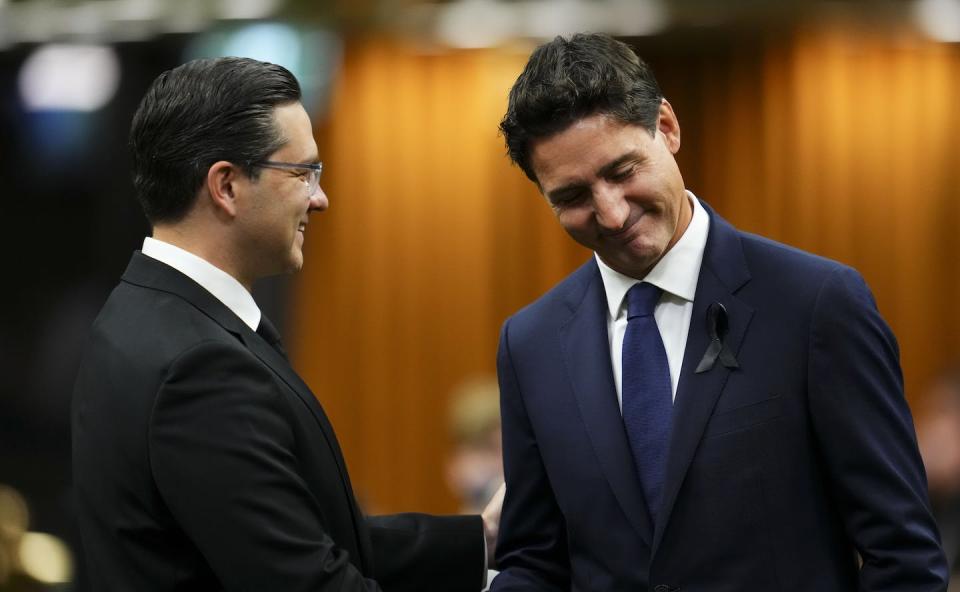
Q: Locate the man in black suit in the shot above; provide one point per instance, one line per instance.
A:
(201, 460)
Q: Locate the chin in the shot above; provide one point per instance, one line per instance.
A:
(294, 263)
(633, 263)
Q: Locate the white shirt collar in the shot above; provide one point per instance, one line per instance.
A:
(221, 284)
(677, 271)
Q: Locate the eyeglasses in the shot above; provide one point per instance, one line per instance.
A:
(311, 178)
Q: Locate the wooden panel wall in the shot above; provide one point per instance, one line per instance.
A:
(430, 241)
(835, 140)
(842, 141)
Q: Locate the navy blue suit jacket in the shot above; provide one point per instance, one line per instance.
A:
(784, 474)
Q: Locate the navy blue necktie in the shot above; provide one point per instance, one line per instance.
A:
(647, 397)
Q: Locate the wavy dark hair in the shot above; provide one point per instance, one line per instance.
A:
(566, 80)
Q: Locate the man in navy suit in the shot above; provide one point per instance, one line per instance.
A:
(754, 437)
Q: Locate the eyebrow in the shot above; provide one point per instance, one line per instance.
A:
(605, 171)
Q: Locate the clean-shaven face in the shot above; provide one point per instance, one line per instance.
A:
(277, 213)
(616, 188)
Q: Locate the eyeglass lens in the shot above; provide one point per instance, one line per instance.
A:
(313, 183)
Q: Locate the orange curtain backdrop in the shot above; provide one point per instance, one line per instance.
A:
(833, 139)
(431, 239)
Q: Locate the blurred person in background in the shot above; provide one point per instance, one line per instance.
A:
(695, 408)
(939, 435)
(475, 469)
(201, 460)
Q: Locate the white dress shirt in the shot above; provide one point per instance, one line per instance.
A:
(676, 274)
(221, 284)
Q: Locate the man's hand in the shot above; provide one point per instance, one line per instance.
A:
(491, 524)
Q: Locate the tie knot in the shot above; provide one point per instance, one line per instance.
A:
(268, 331)
(642, 299)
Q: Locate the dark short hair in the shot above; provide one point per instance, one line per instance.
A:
(199, 113)
(567, 80)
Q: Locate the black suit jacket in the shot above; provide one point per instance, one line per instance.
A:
(203, 462)
(780, 471)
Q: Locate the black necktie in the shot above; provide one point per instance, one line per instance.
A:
(271, 335)
(647, 396)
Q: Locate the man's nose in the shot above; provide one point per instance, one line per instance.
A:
(319, 201)
(610, 209)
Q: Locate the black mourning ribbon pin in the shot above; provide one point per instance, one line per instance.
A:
(717, 328)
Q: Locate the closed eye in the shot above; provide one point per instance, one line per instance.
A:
(622, 174)
(568, 198)
(622, 168)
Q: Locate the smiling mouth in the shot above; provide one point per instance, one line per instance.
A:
(618, 233)
(624, 235)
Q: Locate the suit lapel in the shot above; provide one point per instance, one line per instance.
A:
(722, 273)
(281, 366)
(150, 273)
(586, 350)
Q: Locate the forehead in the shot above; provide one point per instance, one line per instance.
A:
(293, 123)
(584, 148)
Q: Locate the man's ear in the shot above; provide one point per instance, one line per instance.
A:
(669, 126)
(223, 180)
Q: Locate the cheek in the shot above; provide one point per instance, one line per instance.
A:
(670, 177)
(575, 220)
(645, 188)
